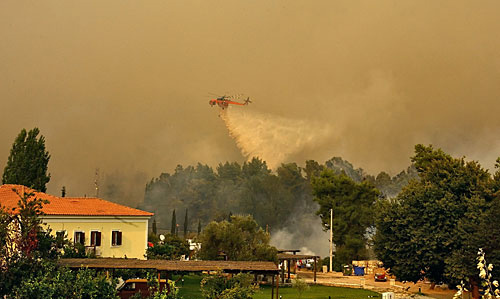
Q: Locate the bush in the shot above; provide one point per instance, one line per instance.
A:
(55, 282)
(173, 248)
(219, 286)
(167, 293)
(300, 285)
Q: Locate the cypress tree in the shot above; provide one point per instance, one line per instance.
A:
(199, 227)
(28, 161)
(174, 223)
(186, 223)
(154, 227)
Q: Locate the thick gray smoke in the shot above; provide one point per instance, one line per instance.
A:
(304, 232)
(120, 85)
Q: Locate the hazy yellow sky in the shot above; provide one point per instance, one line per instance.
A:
(122, 85)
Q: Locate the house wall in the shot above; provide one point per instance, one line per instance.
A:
(134, 232)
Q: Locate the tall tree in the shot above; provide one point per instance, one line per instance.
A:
(312, 168)
(199, 227)
(186, 224)
(173, 228)
(431, 226)
(28, 161)
(154, 227)
(352, 205)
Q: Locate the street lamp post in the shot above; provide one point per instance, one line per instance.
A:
(331, 240)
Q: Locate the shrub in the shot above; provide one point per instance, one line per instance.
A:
(219, 286)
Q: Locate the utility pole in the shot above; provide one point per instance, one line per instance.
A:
(331, 240)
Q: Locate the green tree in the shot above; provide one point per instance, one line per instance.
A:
(352, 205)
(266, 199)
(155, 230)
(312, 168)
(186, 224)
(229, 171)
(255, 167)
(341, 166)
(240, 240)
(173, 227)
(433, 224)
(199, 227)
(28, 161)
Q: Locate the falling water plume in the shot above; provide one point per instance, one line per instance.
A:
(274, 139)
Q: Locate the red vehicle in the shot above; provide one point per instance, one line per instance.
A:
(132, 286)
(224, 102)
(380, 276)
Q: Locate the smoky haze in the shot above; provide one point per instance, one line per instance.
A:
(122, 85)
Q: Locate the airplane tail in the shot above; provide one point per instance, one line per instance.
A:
(247, 101)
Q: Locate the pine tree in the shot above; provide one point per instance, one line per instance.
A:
(27, 162)
(199, 227)
(186, 223)
(174, 224)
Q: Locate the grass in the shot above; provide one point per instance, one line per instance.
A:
(318, 292)
(191, 290)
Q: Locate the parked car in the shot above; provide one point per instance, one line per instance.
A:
(132, 286)
(380, 276)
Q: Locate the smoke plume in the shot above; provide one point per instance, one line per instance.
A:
(303, 231)
(120, 85)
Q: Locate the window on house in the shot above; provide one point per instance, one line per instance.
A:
(116, 238)
(95, 238)
(79, 238)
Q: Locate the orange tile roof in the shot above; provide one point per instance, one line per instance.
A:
(74, 206)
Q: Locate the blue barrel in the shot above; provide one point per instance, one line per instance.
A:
(359, 271)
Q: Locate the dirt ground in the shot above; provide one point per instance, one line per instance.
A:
(401, 290)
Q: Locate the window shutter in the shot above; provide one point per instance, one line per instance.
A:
(92, 238)
(119, 239)
(82, 240)
(98, 239)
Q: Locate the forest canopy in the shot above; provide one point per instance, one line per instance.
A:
(273, 198)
